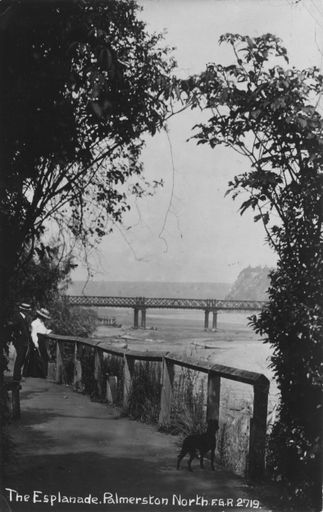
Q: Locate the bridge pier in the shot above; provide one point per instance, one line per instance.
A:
(206, 318)
(143, 318)
(215, 319)
(135, 318)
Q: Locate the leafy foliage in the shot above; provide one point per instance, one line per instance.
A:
(41, 282)
(268, 113)
(71, 320)
(292, 323)
(42, 278)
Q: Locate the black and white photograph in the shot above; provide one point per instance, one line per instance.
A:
(161, 276)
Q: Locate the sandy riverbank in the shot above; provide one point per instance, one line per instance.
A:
(233, 343)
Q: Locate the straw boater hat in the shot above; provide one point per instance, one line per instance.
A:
(43, 313)
(23, 306)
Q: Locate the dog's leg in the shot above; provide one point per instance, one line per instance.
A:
(201, 459)
(192, 455)
(181, 455)
(212, 457)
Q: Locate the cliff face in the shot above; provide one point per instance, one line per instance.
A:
(252, 284)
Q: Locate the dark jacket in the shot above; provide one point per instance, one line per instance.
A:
(20, 333)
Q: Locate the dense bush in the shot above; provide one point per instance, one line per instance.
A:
(293, 325)
(73, 320)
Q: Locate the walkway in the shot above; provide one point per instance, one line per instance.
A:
(68, 446)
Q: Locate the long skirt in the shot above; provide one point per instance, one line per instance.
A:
(34, 364)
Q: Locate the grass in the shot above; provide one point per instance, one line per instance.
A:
(145, 392)
(188, 414)
(87, 363)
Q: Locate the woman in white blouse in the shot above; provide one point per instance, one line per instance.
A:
(38, 326)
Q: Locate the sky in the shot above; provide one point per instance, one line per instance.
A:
(190, 232)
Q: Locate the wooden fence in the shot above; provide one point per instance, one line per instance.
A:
(105, 385)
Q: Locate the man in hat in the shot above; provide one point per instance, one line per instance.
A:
(20, 335)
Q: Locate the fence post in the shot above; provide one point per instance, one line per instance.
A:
(59, 364)
(213, 396)
(128, 368)
(77, 381)
(15, 402)
(258, 425)
(112, 389)
(11, 395)
(98, 372)
(166, 393)
(51, 368)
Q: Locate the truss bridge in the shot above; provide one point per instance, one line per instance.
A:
(141, 304)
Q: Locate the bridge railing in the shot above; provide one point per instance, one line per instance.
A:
(73, 360)
(164, 303)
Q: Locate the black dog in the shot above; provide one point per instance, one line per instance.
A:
(200, 442)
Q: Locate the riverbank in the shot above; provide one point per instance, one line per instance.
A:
(233, 343)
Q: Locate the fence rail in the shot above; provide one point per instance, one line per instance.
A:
(106, 384)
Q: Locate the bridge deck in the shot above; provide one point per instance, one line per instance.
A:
(165, 303)
(68, 444)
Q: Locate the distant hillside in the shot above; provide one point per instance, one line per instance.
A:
(150, 289)
(252, 284)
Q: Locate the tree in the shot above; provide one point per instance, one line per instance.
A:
(82, 82)
(268, 113)
(43, 281)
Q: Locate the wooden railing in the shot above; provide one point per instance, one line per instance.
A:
(105, 385)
